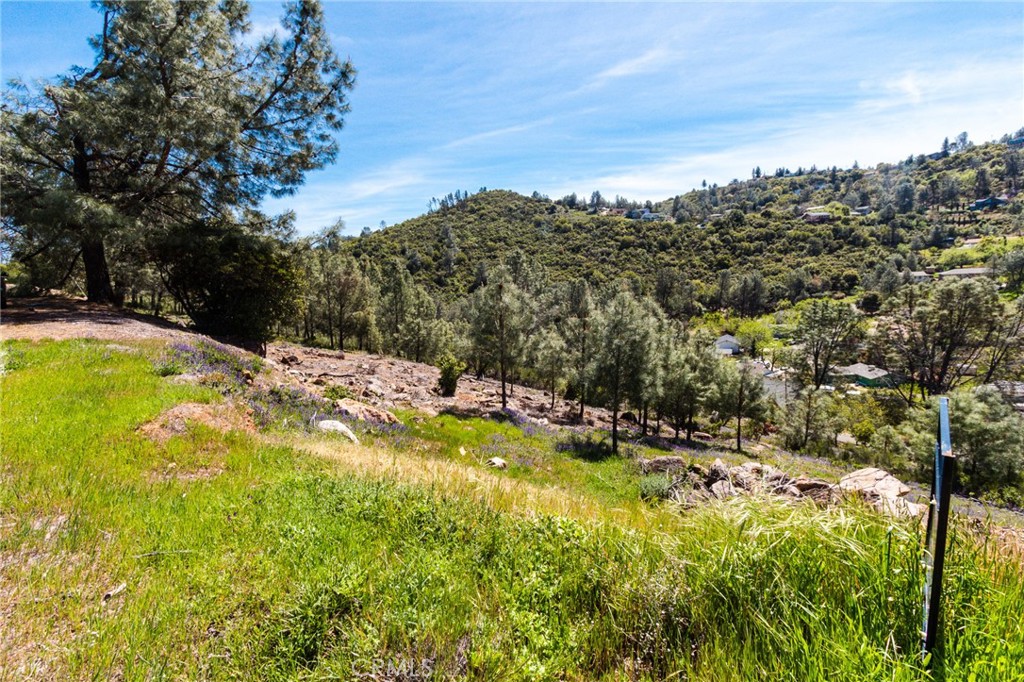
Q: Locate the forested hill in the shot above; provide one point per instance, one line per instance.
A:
(785, 225)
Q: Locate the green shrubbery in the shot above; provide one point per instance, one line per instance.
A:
(451, 369)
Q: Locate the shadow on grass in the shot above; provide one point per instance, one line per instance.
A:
(589, 447)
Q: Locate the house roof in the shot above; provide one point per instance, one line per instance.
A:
(966, 272)
(727, 338)
(859, 369)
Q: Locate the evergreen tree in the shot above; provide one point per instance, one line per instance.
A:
(740, 395)
(182, 119)
(625, 347)
(549, 354)
(825, 330)
(690, 373)
(580, 322)
(396, 294)
(502, 317)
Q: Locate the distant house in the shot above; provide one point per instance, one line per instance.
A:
(965, 273)
(652, 217)
(971, 242)
(1013, 393)
(816, 217)
(1016, 142)
(920, 276)
(637, 213)
(727, 344)
(861, 210)
(865, 375)
(935, 156)
(990, 202)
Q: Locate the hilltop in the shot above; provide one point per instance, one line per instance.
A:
(835, 225)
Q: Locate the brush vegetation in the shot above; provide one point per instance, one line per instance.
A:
(283, 554)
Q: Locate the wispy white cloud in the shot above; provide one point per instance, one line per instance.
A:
(493, 134)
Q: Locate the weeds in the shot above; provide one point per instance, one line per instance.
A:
(283, 567)
(210, 358)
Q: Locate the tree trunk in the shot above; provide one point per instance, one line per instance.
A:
(615, 430)
(689, 426)
(504, 397)
(739, 427)
(97, 275)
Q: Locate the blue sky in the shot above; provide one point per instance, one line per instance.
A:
(644, 100)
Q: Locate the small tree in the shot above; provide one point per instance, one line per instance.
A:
(502, 316)
(689, 376)
(451, 369)
(580, 321)
(549, 356)
(625, 345)
(825, 331)
(811, 420)
(740, 394)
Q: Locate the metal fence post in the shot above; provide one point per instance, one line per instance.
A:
(938, 522)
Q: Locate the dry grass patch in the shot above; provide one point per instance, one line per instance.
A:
(497, 491)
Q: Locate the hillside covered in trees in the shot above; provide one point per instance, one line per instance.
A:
(802, 232)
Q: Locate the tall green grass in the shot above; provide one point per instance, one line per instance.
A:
(278, 566)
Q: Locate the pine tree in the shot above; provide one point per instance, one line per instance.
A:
(740, 395)
(626, 340)
(182, 120)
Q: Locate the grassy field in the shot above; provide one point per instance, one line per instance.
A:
(286, 554)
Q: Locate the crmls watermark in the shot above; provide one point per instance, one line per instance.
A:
(404, 667)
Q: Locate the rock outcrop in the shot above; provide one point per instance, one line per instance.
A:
(882, 490)
(692, 484)
(365, 413)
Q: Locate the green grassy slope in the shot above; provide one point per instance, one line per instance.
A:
(252, 558)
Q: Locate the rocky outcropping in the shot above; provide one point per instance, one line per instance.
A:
(693, 484)
(365, 413)
(881, 490)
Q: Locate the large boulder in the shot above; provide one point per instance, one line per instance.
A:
(723, 489)
(662, 465)
(718, 472)
(872, 482)
(882, 490)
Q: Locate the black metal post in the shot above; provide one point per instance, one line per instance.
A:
(938, 523)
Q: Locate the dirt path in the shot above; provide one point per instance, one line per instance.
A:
(66, 318)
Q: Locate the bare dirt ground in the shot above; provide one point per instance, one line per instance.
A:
(68, 318)
(377, 380)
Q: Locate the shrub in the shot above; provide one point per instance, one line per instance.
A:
(338, 392)
(655, 487)
(230, 280)
(451, 369)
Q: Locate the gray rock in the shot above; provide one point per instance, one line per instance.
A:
(662, 464)
(722, 489)
(717, 472)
